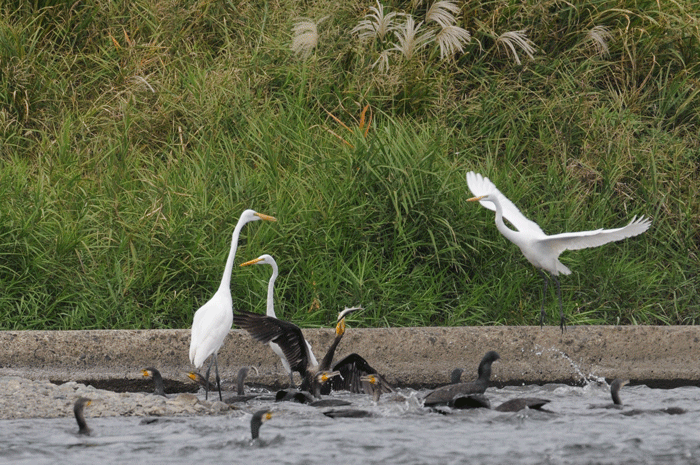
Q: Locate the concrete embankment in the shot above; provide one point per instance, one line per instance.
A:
(419, 357)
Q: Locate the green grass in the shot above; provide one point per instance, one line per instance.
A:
(134, 133)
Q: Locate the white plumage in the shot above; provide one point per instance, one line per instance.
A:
(213, 321)
(540, 249)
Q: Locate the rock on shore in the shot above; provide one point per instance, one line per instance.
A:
(24, 398)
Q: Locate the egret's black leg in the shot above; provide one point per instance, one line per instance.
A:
(206, 387)
(218, 380)
(562, 323)
(544, 296)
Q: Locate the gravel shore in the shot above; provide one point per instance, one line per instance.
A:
(24, 398)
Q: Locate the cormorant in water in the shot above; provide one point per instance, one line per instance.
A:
(615, 390)
(377, 385)
(519, 403)
(199, 379)
(80, 404)
(291, 340)
(617, 402)
(456, 375)
(445, 394)
(259, 417)
(470, 401)
(348, 413)
(268, 260)
(157, 379)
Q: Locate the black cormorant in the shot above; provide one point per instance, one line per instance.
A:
(151, 372)
(290, 339)
(259, 417)
(445, 394)
(78, 407)
(376, 385)
(519, 403)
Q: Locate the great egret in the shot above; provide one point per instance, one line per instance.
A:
(268, 260)
(212, 322)
(151, 372)
(259, 417)
(540, 249)
(445, 394)
(78, 408)
(291, 340)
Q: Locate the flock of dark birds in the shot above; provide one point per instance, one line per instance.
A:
(213, 321)
(456, 395)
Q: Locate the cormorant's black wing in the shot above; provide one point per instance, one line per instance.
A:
(287, 335)
(351, 369)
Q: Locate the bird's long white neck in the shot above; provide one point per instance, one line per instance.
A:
(500, 224)
(271, 291)
(226, 279)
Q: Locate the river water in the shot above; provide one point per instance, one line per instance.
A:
(576, 429)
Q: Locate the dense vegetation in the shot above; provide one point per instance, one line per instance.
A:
(134, 132)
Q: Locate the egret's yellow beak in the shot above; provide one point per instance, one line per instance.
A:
(262, 216)
(251, 262)
(476, 199)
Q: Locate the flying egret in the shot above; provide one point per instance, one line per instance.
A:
(212, 322)
(268, 260)
(540, 249)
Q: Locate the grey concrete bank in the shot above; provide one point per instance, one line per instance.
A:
(418, 357)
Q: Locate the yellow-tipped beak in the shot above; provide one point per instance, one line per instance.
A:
(251, 262)
(268, 415)
(192, 376)
(146, 373)
(265, 217)
(476, 199)
(340, 328)
(369, 378)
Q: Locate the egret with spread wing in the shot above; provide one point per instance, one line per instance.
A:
(540, 249)
(213, 321)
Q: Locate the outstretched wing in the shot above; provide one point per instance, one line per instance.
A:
(480, 185)
(352, 368)
(283, 333)
(585, 239)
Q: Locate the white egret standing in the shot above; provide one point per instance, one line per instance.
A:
(213, 321)
(540, 249)
(268, 260)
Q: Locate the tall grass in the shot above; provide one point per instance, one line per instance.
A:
(132, 135)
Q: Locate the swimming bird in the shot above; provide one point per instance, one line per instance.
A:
(268, 260)
(259, 417)
(157, 380)
(291, 340)
(212, 322)
(78, 408)
(540, 249)
(199, 379)
(519, 403)
(445, 394)
(615, 390)
(615, 387)
(377, 385)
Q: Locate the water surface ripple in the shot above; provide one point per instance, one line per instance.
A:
(401, 431)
